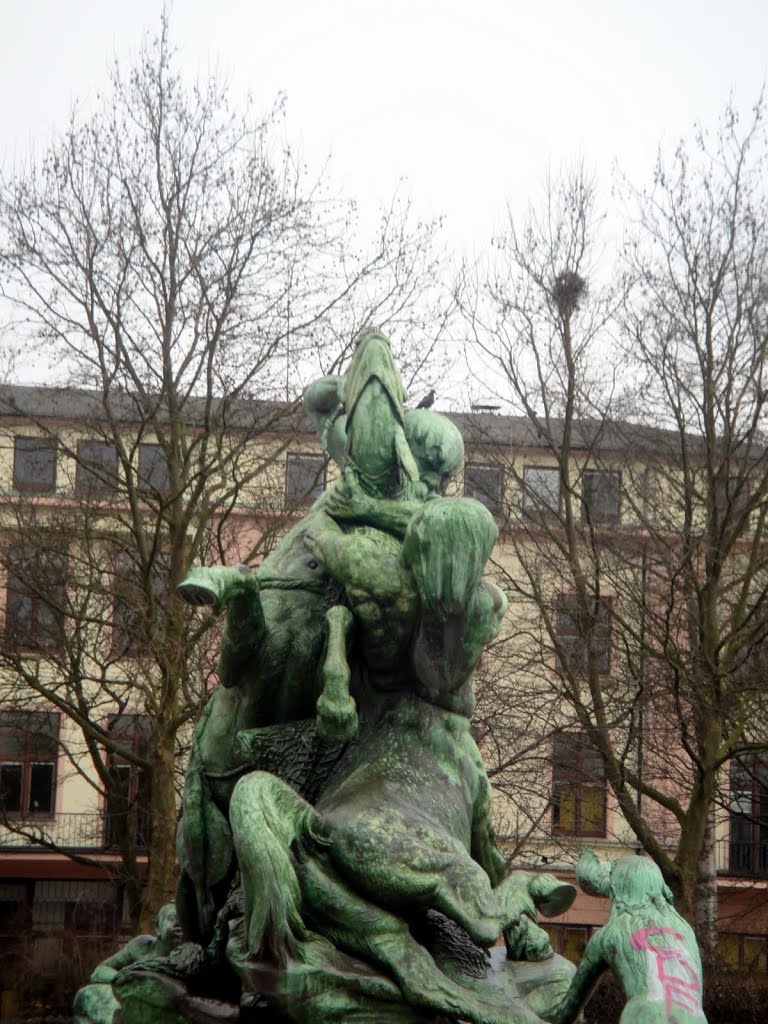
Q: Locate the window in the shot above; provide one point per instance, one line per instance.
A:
(483, 483)
(733, 500)
(34, 607)
(601, 495)
(34, 465)
(90, 918)
(578, 786)
(154, 474)
(96, 472)
(579, 636)
(133, 609)
(569, 941)
(14, 923)
(129, 801)
(541, 489)
(29, 746)
(743, 952)
(304, 478)
(748, 842)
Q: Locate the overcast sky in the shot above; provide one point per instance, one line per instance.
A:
(468, 101)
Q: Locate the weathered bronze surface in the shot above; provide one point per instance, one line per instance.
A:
(337, 860)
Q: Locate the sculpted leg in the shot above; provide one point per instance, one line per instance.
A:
(292, 895)
(423, 870)
(336, 710)
(267, 817)
(365, 930)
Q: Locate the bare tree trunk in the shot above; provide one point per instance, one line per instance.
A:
(705, 897)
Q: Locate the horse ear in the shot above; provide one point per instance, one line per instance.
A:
(593, 874)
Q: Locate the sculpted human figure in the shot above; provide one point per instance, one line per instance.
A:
(646, 943)
(95, 1003)
(278, 650)
(352, 649)
(404, 822)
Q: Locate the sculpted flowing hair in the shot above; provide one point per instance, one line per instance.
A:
(446, 547)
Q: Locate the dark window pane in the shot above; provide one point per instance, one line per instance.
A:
(483, 483)
(129, 803)
(28, 752)
(11, 776)
(34, 465)
(601, 495)
(153, 469)
(12, 915)
(304, 478)
(748, 817)
(733, 500)
(96, 468)
(41, 788)
(19, 617)
(541, 489)
(133, 608)
(13, 745)
(49, 626)
(578, 786)
(91, 918)
(34, 613)
(45, 742)
(579, 635)
(132, 731)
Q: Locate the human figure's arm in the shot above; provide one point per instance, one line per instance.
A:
(357, 562)
(347, 502)
(324, 404)
(592, 965)
(134, 950)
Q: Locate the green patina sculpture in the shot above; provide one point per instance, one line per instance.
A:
(337, 860)
(96, 1002)
(646, 943)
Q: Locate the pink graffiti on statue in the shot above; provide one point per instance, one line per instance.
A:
(677, 976)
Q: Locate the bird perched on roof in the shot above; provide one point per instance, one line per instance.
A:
(427, 401)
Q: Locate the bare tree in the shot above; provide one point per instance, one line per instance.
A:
(636, 494)
(172, 259)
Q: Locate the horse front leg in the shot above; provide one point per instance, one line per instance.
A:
(336, 708)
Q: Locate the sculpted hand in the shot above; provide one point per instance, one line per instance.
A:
(347, 500)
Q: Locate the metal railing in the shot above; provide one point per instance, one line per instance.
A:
(85, 830)
(745, 859)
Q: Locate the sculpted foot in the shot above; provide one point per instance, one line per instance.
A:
(204, 586)
(336, 719)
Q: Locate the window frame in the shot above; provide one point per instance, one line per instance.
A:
(748, 855)
(128, 614)
(104, 480)
(570, 776)
(588, 506)
(732, 505)
(18, 592)
(529, 506)
(473, 491)
(36, 443)
(571, 637)
(31, 758)
(136, 738)
(307, 498)
(146, 473)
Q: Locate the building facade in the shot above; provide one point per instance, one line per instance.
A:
(67, 830)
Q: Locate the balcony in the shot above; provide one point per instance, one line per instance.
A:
(92, 831)
(747, 859)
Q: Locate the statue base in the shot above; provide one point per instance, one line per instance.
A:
(525, 992)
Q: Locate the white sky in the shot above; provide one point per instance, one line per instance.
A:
(469, 101)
